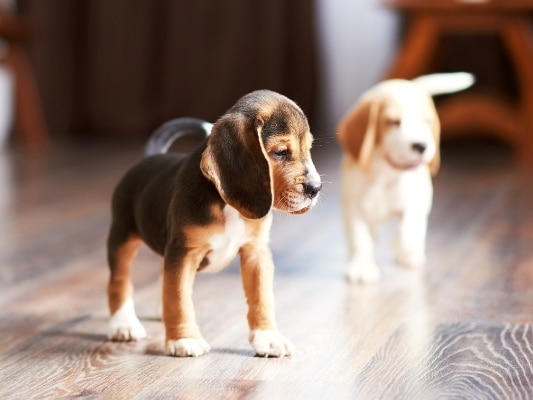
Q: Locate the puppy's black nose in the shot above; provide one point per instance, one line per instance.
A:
(419, 147)
(311, 189)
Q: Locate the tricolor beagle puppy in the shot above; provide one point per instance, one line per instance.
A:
(200, 210)
(391, 149)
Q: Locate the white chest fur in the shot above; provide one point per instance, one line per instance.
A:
(226, 244)
(386, 192)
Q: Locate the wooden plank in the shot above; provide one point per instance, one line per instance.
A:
(460, 327)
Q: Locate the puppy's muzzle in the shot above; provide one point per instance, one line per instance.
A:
(311, 189)
(305, 194)
(313, 183)
(419, 147)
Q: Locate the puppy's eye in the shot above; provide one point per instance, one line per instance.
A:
(282, 155)
(394, 122)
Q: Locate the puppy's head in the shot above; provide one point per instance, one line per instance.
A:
(258, 156)
(396, 120)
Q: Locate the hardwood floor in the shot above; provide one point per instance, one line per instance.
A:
(461, 328)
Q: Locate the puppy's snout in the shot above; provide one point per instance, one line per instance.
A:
(311, 189)
(419, 147)
(313, 183)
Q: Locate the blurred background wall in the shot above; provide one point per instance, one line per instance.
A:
(118, 67)
(357, 41)
(121, 67)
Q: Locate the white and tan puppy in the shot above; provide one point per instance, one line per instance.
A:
(390, 140)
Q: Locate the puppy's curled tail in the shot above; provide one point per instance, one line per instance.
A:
(170, 131)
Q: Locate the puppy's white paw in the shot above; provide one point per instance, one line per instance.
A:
(125, 330)
(124, 326)
(270, 344)
(413, 260)
(187, 347)
(363, 272)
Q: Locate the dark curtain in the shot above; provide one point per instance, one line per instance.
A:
(114, 67)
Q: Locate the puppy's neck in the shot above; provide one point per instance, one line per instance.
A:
(382, 158)
(381, 172)
(380, 165)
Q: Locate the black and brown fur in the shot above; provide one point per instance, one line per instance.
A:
(256, 158)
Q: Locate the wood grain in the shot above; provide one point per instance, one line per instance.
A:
(460, 328)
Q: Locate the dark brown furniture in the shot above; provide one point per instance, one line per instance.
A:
(29, 115)
(428, 21)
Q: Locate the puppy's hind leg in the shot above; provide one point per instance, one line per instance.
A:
(123, 324)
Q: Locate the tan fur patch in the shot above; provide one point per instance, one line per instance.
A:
(257, 270)
(178, 308)
(120, 287)
(289, 176)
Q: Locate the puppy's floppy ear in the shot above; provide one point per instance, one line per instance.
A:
(236, 162)
(434, 165)
(358, 130)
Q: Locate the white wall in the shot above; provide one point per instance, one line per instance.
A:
(357, 41)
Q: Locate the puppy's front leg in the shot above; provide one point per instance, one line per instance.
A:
(183, 338)
(362, 266)
(257, 269)
(410, 243)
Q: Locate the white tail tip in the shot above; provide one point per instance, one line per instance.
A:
(446, 82)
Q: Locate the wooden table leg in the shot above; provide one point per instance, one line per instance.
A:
(417, 51)
(517, 34)
(29, 115)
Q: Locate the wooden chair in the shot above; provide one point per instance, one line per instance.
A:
(428, 20)
(29, 115)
